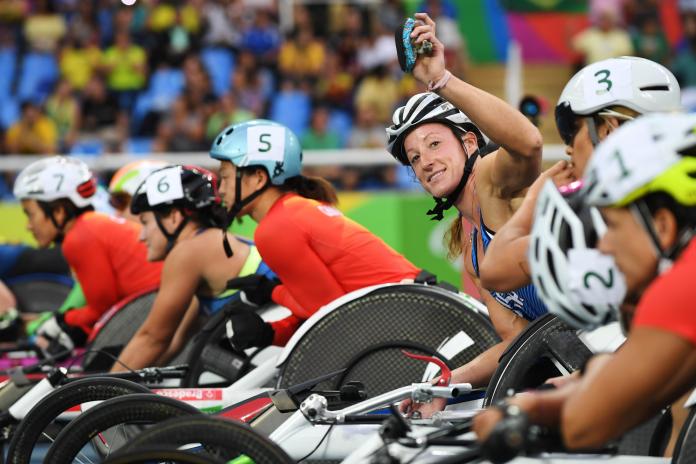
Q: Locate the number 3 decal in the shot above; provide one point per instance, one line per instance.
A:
(608, 282)
(605, 73)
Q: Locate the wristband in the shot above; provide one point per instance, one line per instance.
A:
(434, 86)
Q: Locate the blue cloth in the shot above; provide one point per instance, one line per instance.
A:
(523, 301)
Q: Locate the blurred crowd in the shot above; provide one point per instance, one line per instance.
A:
(96, 76)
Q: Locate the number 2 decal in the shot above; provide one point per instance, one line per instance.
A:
(605, 73)
(607, 282)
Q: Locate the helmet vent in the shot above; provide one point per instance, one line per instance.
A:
(689, 151)
(659, 88)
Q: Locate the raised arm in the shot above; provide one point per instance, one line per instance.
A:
(518, 161)
(505, 266)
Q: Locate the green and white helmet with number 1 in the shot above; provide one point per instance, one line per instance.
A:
(628, 81)
(655, 153)
(55, 178)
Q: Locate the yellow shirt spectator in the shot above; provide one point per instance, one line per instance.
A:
(302, 57)
(34, 134)
(77, 65)
(125, 67)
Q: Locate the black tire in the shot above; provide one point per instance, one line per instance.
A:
(39, 294)
(685, 449)
(138, 408)
(230, 439)
(162, 454)
(31, 428)
(534, 356)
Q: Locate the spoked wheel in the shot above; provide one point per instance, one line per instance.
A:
(212, 361)
(226, 439)
(34, 426)
(138, 408)
(170, 456)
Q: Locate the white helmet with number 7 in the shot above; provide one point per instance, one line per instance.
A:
(55, 178)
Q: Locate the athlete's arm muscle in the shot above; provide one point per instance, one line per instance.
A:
(652, 369)
(180, 278)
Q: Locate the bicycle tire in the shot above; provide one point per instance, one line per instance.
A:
(141, 408)
(161, 454)
(29, 430)
(230, 438)
(685, 449)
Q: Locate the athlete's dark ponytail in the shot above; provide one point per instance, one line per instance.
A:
(315, 188)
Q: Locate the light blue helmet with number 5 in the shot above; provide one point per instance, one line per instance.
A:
(260, 143)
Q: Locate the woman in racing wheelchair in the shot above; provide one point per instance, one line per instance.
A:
(642, 179)
(317, 253)
(103, 252)
(181, 215)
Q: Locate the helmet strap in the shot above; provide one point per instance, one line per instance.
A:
(592, 128)
(237, 206)
(49, 211)
(171, 237)
(443, 204)
(668, 256)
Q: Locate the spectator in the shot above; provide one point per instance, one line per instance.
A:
(684, 63)
(219, 30)
(83, 26)
(126, 69)
(319, 136)
(227, 114)
(448, 32)
(79, 59)
(348, 40)
(33, 134)
(262, 38)
(100, 115)
(250, 92)
(368, 131)
(181, 131)
(649, 41)
(44, 28)
(302, 56)
(379, 90)
(378, 50)
(63, 109)
(604, 40)
(335, 85)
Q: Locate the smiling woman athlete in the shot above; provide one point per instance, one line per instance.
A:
(318, 254)
(440, 135)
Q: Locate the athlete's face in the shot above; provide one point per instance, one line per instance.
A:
(228, 182)
(437, 157)
(40, 225)
(580, 149)
(632, 249)
(153, 237)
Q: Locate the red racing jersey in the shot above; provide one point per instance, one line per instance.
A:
(668, 303)
(320, 255)
(110, 263)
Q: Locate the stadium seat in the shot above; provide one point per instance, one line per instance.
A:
(341, 123)
(219, 62)
(8, 62)
(138, 145)
(9, 111)
(293, 109)
(38, 75)
(165, 86)
(88, 147)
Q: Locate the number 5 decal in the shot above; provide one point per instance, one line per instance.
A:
(268, 146)
(604, 79)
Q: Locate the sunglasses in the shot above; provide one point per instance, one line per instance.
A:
(567, 123)
(120, 201)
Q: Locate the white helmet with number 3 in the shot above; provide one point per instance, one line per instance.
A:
(55, 178)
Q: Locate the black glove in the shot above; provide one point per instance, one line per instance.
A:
(256, 289)
(247, 329)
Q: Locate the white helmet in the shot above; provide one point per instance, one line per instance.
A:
(422, 108)
(576, 282)
(55, 178)
(129, 177)
(636, 83)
